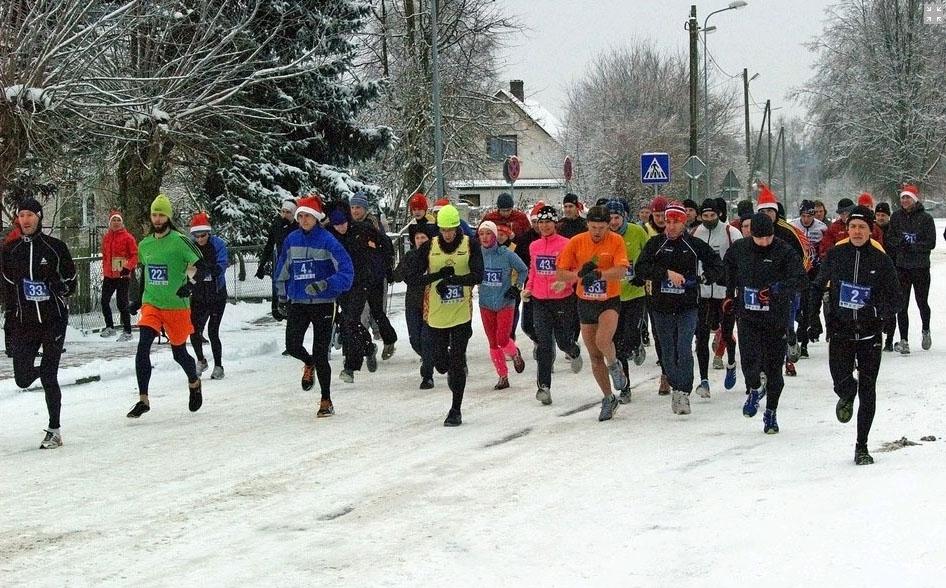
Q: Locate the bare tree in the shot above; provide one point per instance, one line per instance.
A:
(878, 95)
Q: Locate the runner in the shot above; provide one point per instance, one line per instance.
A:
(912, 238)
(453, 265)
(676, 263)
(506, 214)
(882, 220)
(168, 261)
(313, 269)
(418, 206)
(572, 223)
(119, 259)
(209, 299)
(498, 294)
(813, 230)
(627, 338)
(864, 293)
(407, 272)
(282, 225)
(38, 275)
(551, 309)
(720, 237)
(597, 260)
(763, 275)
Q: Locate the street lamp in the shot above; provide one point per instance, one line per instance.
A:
(732, 6)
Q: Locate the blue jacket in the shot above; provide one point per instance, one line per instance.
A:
(313, 257)
(498, 263)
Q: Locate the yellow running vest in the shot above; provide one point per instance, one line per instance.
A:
(456, 308)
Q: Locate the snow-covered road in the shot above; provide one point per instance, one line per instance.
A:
(254, 490)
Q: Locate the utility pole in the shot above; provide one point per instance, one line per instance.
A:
(693, 27)
(768, 108)
(745, 97)
(440, 188)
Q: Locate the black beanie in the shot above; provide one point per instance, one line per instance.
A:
(598, 214)
(709, 205)
(690, 204)
(32, 205)
(744, 206)
(882, 207)
(862, 213)
(570, 198)
(762, 225)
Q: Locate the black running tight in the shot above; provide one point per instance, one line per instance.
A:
(146, 337)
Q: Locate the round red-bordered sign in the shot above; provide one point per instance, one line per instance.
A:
(568, 168)
(511, 168)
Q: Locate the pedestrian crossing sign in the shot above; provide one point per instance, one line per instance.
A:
(655, 168)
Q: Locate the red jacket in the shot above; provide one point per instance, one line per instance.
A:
(517, 221)
(837, 231)
(119, 250)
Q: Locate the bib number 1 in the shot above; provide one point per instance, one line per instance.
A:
(750, 300)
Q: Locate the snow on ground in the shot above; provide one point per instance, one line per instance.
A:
(254, 490)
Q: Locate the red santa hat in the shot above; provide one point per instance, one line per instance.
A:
(113, 214)
(311, 204)
(200, 222)
(440, 203)
(766, 199)
(535, 209)
(865, 199)
(910, 191)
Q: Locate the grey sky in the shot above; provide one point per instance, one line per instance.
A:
(766, 36)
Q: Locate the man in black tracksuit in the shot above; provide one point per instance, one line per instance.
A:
(372, 255)
(910, 238)
(763, 274)
(571, 223)
(38, 275)
(282, 225)
(864, 293)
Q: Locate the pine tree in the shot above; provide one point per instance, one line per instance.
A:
(317, 146)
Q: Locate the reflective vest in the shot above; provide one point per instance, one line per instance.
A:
(456, 307)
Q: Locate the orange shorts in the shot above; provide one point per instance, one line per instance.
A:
(176, 322)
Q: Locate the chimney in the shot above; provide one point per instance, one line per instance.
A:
(516, 89)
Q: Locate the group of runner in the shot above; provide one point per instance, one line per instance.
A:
(679, 271)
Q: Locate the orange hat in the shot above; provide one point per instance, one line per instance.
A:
(200, 222)
(418, 202)
(766, 199)
(311, 204)
(865, 199)
(440, 203)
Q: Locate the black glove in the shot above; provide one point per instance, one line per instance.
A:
(215, 271)
(389, 275)
(590, 278)
(446, 271)
(261, 272)
(124, 273)
(186, 290)
(58, 287)
(133, 307)
(442, 288)
(280, 310)
(589, 266)
(512, 293)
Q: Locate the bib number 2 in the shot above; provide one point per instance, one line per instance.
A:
(853, 296)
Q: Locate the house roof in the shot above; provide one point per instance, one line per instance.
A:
(504, 185)
(542, 117)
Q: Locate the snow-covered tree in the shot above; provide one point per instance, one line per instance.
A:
(878, 95)
(635, 100)
(316, 145)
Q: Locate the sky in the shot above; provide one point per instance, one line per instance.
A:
(563, 36)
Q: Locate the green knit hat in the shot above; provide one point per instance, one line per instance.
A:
(161, 205)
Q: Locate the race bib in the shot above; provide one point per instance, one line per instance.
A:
(629, 274)
(597, 289)
(909, 237)
(750, 300)
(453, 294)
(35, 291)
(117, 263)
(853, 296)
(492, 277)
(667, 287)
(303, 269)
(158, 275)
(545, 265)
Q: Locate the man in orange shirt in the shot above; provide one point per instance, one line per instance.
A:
(597, 260)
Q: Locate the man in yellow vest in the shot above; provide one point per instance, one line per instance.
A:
(452, 265)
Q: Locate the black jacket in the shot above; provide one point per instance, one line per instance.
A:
(750, 268)
(522, 244)
(38, 273)
(569, 227)
(371, 253)
(911, 237)
(208, 288)
(278, 231)
(411, 271)
(864, 290)
(682, 255)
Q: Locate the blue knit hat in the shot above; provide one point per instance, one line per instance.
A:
(359, 199)
(615, 206)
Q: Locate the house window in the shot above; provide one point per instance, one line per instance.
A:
(501, 147)
(471, 199)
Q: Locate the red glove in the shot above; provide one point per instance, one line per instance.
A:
(765, 295)
(729, 305)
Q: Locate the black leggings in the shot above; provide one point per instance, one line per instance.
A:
(627, 337)
(320, 316)
(146, 336)
(552, 319)
(26, 340)
(209, 314)
(449, 347)
(843, 356)
(919, 280)
(762, 350)
(118, 286)
(711, 317)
